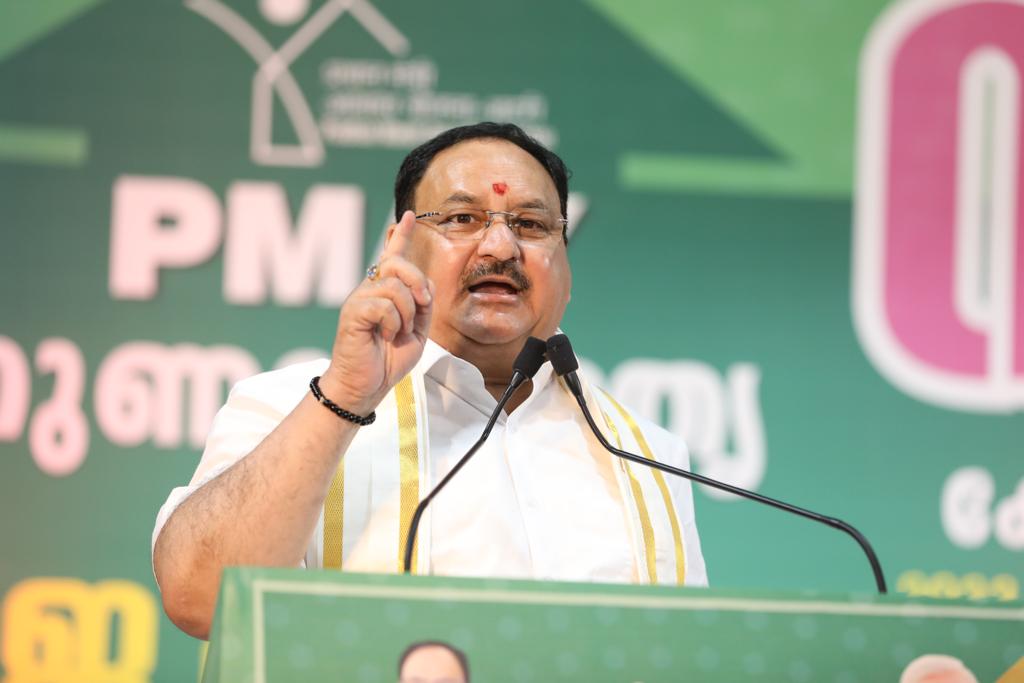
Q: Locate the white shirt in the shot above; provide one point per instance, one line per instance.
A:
(541, 499)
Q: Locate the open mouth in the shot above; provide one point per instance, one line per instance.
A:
(494, 287)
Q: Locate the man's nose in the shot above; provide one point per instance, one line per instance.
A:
(499, 241)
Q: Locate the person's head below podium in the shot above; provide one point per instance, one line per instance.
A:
(490, 206)
(432, 662)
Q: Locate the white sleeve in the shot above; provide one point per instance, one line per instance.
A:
(254, 408)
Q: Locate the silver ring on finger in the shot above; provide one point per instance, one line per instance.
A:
(373, 272)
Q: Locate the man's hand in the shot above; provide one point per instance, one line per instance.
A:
(382, 329)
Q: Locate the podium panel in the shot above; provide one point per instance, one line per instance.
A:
(274, 626)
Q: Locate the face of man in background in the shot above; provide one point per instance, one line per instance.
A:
(495, 290)
(431, 664)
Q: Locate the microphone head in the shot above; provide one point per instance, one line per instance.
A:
(529, 360)
(563, 360)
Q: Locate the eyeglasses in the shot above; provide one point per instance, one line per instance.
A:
(468, 224)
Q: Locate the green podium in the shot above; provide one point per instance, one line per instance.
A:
(274, 626)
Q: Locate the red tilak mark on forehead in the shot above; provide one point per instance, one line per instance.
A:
(500, 188)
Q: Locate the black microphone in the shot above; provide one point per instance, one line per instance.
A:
(564, 362)
(525, 366)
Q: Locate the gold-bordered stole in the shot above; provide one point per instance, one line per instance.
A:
(389, 463)
(644, 517)
(408, 467)
(637, 474)
(334, 520)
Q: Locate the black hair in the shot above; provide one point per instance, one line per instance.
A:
(459, 655)
(416, 162)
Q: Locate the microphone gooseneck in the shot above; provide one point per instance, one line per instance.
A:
(564, 363)
(525, 366)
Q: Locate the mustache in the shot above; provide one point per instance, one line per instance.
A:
(507, 269)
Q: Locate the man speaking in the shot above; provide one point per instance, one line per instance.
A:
(327, 473)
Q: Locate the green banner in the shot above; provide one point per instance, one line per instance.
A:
(795, 243)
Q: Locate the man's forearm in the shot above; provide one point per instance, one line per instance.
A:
(261, 511)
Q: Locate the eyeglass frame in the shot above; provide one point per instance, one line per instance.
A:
(509, 215)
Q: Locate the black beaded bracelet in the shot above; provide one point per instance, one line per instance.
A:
(314, 386)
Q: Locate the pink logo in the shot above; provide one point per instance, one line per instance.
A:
(938, 288)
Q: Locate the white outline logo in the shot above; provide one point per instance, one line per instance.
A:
(274, 74)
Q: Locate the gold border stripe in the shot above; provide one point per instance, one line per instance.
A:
(647, 529)
(677, 535)
(409, 466)
(334, 519)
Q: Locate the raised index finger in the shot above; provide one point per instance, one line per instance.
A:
(400, 236)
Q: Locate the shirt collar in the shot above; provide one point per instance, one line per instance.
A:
(433, 353)
(441, 365)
